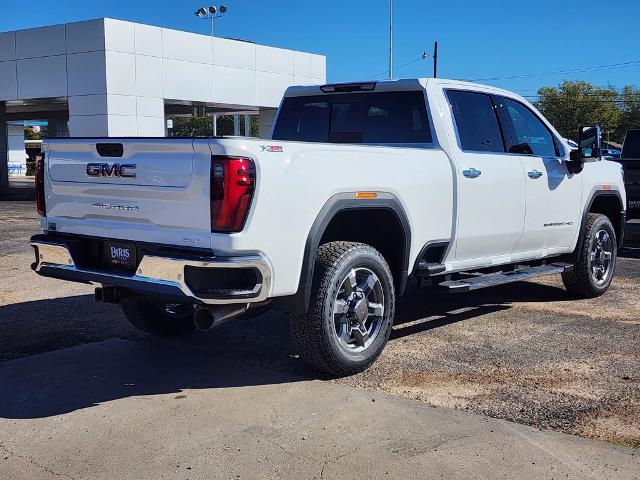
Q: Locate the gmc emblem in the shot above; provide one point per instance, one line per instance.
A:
(125, 170)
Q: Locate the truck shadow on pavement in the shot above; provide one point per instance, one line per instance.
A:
(423, 309)
(98, 357)
(84, 376)
(631, 247)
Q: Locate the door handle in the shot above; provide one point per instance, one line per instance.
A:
(534, 174)
(471, 173)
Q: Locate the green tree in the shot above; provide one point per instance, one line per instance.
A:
(29, 134)
(255, 125)
(201, 126)
(191, 127)
(225, 126)
(630, 106)
(575, 103)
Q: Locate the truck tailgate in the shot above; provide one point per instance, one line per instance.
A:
(151, 190)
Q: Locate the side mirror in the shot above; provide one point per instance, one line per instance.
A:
(589, 148)
(589, 144)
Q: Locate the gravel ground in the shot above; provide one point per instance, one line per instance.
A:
(524, 352)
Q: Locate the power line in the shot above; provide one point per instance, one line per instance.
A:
(424, 56)
(604, 89)
(607, 93)
(633, 63)
(586, 95)
(585, 99)
(599, 102)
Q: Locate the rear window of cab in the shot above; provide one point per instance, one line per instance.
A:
(359, 118)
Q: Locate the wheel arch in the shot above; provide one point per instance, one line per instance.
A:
(608, 203)
(342, 210)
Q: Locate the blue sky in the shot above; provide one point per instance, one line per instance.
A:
(478, 39)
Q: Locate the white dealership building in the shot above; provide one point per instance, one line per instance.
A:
(115, 78)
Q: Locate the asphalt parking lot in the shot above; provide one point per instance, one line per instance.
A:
(525, 353)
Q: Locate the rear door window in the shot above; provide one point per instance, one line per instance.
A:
(476, 121)
(366, 118)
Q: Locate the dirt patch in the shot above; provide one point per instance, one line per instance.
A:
(619, 426)
(525, 352)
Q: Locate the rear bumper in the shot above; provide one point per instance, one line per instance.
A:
(162, 276)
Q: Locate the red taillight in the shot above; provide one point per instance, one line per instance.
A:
(40, 203)
(232, 185)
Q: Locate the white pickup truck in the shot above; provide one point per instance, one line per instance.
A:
(361, 188)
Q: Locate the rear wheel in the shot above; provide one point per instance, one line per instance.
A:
(156, 317)
(351, 309)
(592, 274)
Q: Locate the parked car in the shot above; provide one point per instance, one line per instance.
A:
(630, 160)
(362, 187)
(611, 153)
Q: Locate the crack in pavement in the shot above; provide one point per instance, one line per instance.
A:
(338, 458)
(34, 463)
(291, 454)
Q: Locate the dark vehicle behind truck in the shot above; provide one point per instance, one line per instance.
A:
(630, 160)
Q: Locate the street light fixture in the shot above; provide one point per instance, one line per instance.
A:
(212, 13)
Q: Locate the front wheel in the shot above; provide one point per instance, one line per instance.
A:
(156, 317)
(592, 274)
(350, 312)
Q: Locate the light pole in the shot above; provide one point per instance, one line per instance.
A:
(212, 13)
(390, 39)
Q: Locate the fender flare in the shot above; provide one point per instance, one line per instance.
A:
(597, 193)
(341, 202)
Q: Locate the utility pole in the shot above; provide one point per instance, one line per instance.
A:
(435, 60)
(390, 39)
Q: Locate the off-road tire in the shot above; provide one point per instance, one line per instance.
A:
(148, 314)
(579, 281)
(313, 334)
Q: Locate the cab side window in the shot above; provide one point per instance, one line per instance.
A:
(533, 136)
(476, 121)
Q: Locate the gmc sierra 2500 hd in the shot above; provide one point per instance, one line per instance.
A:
(361, 187)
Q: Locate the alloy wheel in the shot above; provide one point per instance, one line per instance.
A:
(358, 311)
(601, 258)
